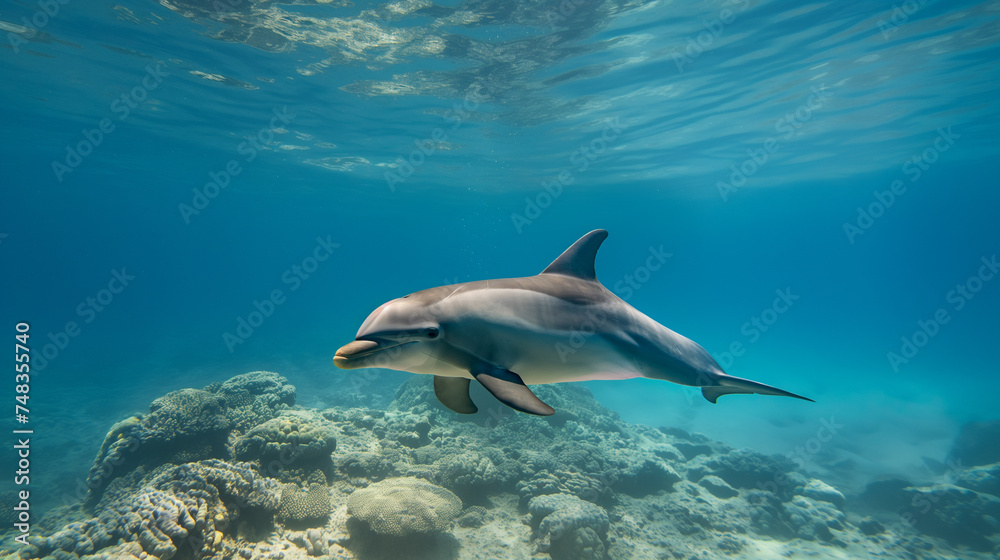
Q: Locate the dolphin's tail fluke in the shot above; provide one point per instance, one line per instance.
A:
(728, 384)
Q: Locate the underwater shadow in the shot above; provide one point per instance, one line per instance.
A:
(368, 545)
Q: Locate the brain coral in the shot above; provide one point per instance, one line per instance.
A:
(289, 448)
(404, 506)
(310, 508)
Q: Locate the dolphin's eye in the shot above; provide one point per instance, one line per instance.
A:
(432, 332)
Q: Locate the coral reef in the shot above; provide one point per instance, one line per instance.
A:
(184, 426)
(291, 448)
(255, 397)
(190, 506)
(236, 471)
(398, 507)
(718, 487)
(580, 485)
(373, 466)
(822, 492)
(812, 519)
(304, 508)
(568, 527)
(767, 515)
(643, 476)
(470, 475)
(743, 468)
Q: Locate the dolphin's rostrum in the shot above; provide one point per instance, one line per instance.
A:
(513, 332)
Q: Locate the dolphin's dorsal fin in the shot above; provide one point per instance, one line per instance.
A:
(578, 260)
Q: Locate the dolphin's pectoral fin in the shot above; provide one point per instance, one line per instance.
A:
(453, 392)
(730, 385)
(509, 389)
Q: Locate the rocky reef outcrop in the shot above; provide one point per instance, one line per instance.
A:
(184, 426)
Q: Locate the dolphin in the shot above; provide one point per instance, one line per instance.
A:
(558, 326)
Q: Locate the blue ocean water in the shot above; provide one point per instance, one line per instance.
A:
(821, 175)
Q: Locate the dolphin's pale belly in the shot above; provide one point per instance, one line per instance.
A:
(550, 359)
(562, 356)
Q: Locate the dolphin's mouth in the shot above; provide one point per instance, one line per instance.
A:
(349, 353)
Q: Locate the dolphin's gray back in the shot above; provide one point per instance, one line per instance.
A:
(566, 288)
